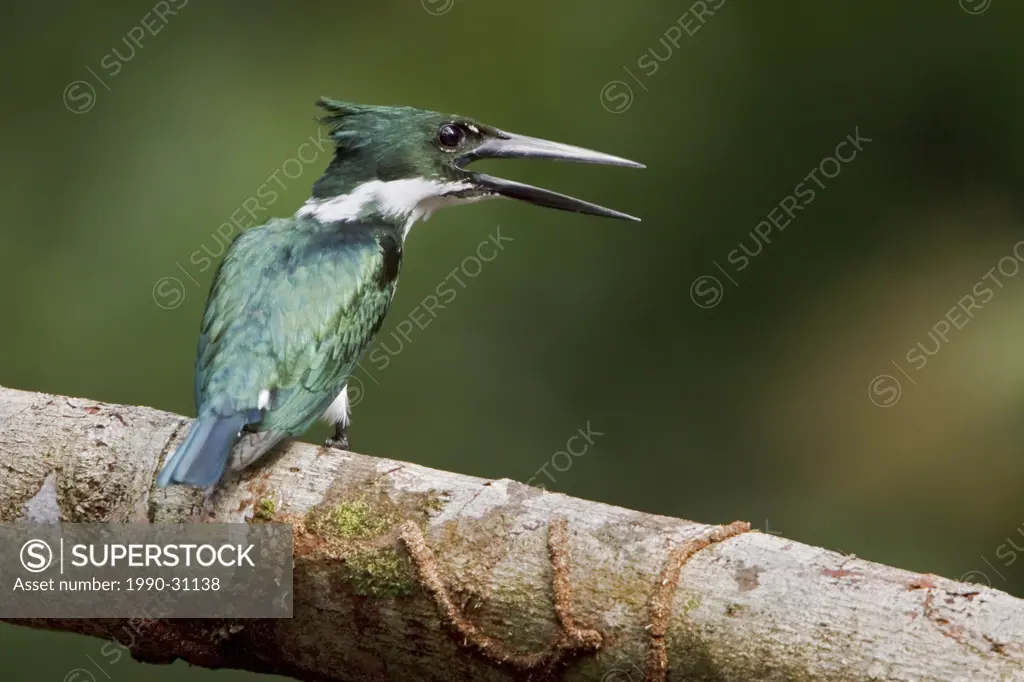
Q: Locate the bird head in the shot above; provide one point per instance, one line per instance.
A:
(404, 163)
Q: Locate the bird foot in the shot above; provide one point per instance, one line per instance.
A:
(340, 439)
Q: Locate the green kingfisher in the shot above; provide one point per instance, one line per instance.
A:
(296, 301)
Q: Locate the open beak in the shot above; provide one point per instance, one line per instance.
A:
(508, 145)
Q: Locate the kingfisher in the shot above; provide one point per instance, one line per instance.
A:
(296, 301)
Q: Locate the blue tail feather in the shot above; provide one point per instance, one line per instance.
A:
(201, 459)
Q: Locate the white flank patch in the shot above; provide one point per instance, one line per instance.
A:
(411, 199)
(337, 413)
(264, 400)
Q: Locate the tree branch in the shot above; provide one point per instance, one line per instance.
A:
(408, 573)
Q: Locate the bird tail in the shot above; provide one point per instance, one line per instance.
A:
(201, 459)
(252, 446)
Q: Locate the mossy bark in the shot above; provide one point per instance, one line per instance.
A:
(407, 573)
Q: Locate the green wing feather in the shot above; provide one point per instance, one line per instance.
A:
(294, 305)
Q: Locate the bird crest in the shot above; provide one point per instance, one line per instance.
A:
(339, 119)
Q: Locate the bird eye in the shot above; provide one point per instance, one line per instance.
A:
(450, 136)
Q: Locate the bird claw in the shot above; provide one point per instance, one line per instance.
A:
(339, 441)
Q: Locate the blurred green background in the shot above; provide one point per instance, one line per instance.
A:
(764, 404)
